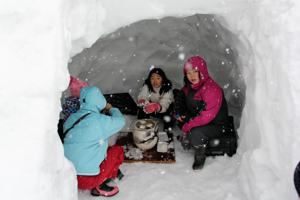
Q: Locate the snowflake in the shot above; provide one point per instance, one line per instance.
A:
(226, 86)
(151, 67)
(130, 39)
(181, 56)
(227, 50)
(101, 142)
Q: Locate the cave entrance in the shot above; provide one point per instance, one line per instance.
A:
(119, 61)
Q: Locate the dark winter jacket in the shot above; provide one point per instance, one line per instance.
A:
(201, 104)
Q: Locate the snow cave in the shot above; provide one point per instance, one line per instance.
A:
(251, 48)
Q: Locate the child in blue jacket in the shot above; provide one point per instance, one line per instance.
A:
(86, 142)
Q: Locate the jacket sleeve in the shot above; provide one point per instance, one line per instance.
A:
(179, 104)
(113, 123)
(165, 101)
(144, 93)
(213, 99)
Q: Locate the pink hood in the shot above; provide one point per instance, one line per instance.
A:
(198, 63)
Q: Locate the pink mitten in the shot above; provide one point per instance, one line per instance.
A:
(152, 107)
(185, 128)
(141, 102)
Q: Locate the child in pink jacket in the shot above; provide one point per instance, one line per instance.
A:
(200, 108)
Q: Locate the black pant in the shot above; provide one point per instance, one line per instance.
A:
(169, 113)
(203, 134)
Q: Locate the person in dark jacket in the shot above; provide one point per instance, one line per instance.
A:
(156, 98)
(200, 108)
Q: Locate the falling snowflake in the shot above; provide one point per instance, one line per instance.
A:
(226, 86)
(101, 142)
(167, 118)
(181, 56)
(151, 67)
(227, 50)
(130, 39)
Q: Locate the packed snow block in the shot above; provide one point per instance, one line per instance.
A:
(123, 101)
(224, 144)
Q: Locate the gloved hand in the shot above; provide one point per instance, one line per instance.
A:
(185, 143)
(141, 102)
(180, 118)
(186, 128)
(152, 107)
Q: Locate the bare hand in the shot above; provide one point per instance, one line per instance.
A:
(181, 118)
(108, 107)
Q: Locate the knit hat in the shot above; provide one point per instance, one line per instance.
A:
(75, 86)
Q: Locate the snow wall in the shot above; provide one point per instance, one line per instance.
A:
(39, 38)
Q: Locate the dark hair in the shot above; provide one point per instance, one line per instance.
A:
(186, 81)
(166, 84)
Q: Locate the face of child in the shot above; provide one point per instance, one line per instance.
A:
(193, 76)
(156, 80)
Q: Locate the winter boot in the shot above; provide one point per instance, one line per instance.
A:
(105, 190)
(120, 175)
(199, 157)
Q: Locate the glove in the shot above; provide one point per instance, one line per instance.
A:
(186, 128)
(152, 107)
(180, 118)
(185, 143)
(141, 102)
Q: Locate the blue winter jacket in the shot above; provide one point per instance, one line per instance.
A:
(86, 144)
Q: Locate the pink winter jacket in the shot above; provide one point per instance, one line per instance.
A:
(208, 91)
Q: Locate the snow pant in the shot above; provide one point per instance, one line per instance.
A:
(201, 135)
(169, 113)
(108, 169)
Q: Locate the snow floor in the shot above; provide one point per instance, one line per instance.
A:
(218, 179)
